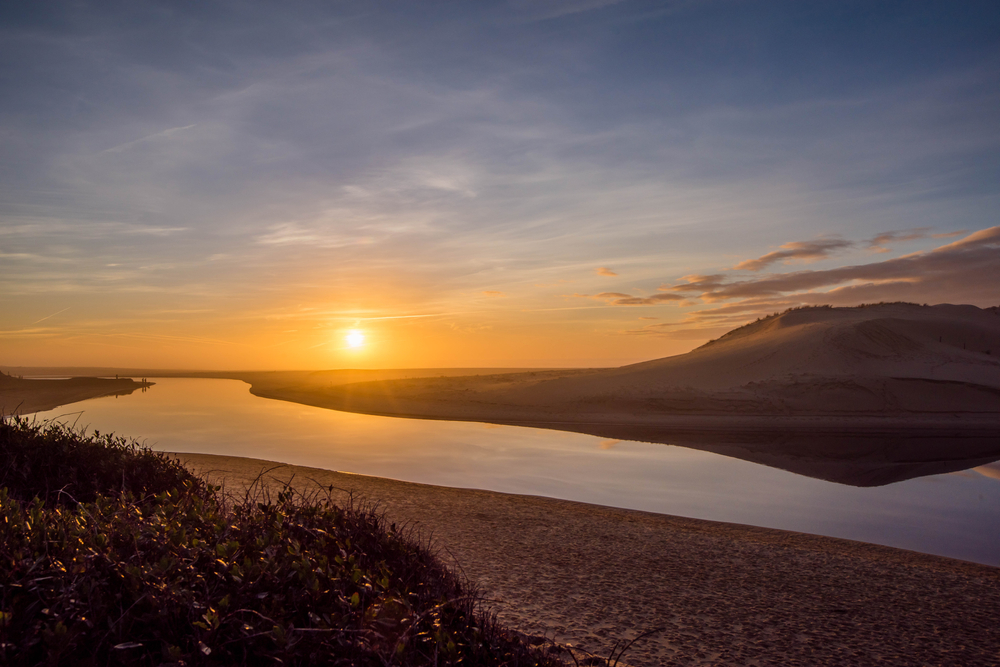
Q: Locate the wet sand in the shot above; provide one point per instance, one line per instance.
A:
(723, 594)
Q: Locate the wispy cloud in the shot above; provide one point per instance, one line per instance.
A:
(950, 273)
(151, 137)
(605, 271)
(796, 250)
(696, 282)
(48, 228)
(50, 316)
(879, 242)
(540, 10)
(292, 233)
(623, 299)
(956, 268)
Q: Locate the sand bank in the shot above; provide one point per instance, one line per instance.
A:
(19, 396)
(723, 593)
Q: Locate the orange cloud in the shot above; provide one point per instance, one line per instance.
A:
(623, 299)
(954, 269)
(605, 271)
(879, 241)
(954, 273)
(802, 250)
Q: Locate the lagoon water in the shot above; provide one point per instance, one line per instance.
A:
(956, 514)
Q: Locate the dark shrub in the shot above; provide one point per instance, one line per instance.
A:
(59, 465)
(180, 577)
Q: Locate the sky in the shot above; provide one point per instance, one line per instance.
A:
(312, 185)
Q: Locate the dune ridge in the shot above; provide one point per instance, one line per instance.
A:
(869, 359)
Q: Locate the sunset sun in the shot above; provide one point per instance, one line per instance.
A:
(355, 339)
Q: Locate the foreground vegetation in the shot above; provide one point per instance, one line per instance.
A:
(112, 554)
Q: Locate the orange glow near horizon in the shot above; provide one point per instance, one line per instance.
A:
(578, 319)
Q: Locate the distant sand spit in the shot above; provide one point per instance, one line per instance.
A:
(18, 396)
(723, 593)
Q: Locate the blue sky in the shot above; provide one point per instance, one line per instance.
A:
(228, 184)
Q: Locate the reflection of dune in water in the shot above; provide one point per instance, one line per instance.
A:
(851, 459)
(989, 470)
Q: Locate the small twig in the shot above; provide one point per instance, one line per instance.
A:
(642, 635)
(255, 613)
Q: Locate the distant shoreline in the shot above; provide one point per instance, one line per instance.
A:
(25, 396)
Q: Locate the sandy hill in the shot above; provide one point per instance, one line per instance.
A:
(885, 357)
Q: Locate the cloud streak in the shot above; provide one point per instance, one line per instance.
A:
(957, 266)
(796, 250)
(961, 271)
(157, 135)
(623, 299)
(879, 242)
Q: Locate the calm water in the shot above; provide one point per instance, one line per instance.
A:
(955, 515)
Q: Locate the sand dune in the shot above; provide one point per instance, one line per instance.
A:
(865, 395)
(875, 359)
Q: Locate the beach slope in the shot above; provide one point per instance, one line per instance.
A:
(719, 593)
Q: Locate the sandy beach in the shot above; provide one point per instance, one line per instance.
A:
(723, 594)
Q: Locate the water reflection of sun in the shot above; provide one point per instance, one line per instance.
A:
(355, 338)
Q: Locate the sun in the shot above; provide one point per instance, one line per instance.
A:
(355, 338)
